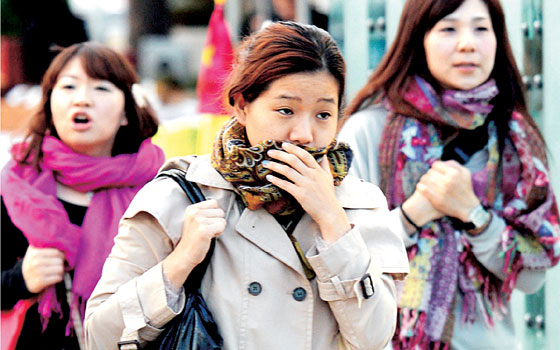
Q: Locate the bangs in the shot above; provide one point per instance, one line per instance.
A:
(106, 66)
(441, 9)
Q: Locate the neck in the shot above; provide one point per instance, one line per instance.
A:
(70, 195)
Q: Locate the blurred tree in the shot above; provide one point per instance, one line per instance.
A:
(40, 25)
(147, 17)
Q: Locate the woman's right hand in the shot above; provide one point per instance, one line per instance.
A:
(203, 221)
(42, 267)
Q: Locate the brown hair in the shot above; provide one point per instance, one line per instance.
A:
(278, 50)
(99, 62)
(407, 58)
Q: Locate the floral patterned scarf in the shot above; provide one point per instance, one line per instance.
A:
(241, 165)
(514, 183)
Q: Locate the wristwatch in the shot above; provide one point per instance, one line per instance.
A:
(478, 218)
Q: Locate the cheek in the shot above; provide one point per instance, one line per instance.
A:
(58, 109)
(489, 52)
(329, 133)
(115, 109)
(258, 132)
(437, 54)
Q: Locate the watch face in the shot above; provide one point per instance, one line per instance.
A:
(479, 216)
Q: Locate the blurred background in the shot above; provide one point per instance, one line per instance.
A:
(166, 42)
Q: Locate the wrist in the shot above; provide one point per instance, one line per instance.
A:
(175, 270)
(415, 212)
(464, 216)
(477, 220)
(334, 227)
(410, 226)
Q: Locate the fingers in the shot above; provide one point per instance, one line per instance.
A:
(209, 226)
(296, 163)
(207, 204)
(205, 217)
(283, 184)
(293, 157)
(283, 169)
(302, 155)
(47, 252)
(42, 267)
(449, 167)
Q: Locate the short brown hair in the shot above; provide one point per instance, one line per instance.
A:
(99, 62)
(278, 50)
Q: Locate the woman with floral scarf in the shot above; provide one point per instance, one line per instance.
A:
(443, 127)
(294, 266)
(87, 153)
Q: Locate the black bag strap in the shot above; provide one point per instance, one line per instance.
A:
(191, 189)
(195, 195)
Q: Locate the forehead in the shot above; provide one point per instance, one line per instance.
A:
(320, 83)
(73, 68)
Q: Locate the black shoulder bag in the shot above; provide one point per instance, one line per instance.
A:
(194, 328)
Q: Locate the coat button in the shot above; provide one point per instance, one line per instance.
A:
(255, 288)
(299, 294)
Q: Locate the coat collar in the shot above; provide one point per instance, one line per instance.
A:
(201, 171)
(352, 193)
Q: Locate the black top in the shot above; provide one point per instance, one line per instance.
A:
(13, 246)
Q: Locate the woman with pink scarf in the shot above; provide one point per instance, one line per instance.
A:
(86, 154)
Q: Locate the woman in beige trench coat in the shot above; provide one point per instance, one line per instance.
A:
(304, 257)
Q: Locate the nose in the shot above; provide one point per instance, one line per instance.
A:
(301, 131)
(466, 41)
(82, 96)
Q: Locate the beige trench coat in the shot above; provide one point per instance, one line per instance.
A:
(253, 255)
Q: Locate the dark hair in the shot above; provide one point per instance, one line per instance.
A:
(407, 58)
(278, 50)
(99, 62)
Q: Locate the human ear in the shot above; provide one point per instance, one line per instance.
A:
(124, 119)
(240, 110)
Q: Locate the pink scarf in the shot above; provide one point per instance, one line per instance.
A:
(33, 207)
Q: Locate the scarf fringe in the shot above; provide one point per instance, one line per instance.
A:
(410, 333)
(490, 300)
(47, 305)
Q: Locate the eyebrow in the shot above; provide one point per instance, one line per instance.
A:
(477, 18)
(328, 100)
(320, 99)
(68, 76)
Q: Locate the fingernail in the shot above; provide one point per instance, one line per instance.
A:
(269, 177)
(265, 162)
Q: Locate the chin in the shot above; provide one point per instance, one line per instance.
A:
(467, 85)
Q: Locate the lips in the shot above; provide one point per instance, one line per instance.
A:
(465, 65)
(81, 121)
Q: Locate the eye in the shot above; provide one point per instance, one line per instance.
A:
(285, 111)
(102, 88)
(447, 29)
(67, 86)
(482, 29)
(324, 115)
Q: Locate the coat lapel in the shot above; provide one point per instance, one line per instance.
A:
(260, 228)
